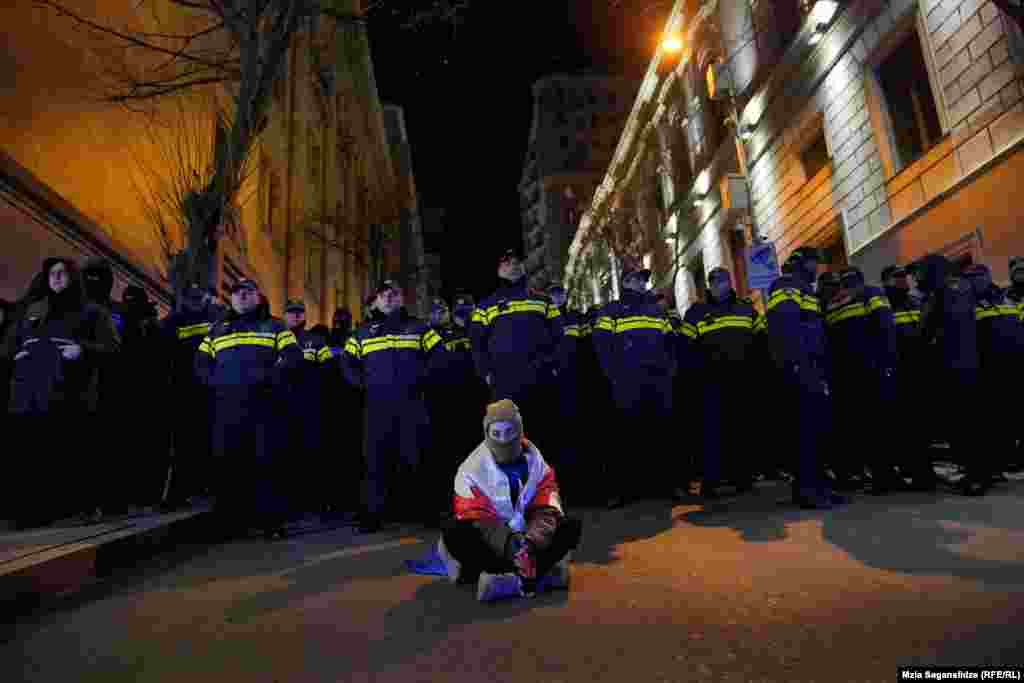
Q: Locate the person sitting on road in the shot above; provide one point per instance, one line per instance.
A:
(509, 534)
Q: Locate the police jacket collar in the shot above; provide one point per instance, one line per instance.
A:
(513, 288)
(631, 297)
(254, 315)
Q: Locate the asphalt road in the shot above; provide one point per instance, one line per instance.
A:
(748, 591)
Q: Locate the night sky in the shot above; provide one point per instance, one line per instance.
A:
(466, 94)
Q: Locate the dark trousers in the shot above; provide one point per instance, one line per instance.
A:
(395, 433)
(456, 428)
(342, 468)
(725, 452)
(247, 441)
(191, 445)
(53, 478)
(811, 420)
(640, 464)
(467, 545)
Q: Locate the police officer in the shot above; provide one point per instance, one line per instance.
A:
(453, 394)
(999, 349)
(595, 402)
(796, 336)
(307, 416)
(462, 316)
(516, 332)
(720, 334)
(246, 360)
(634, 342)
(862, 350)
(343, 435)
(389, 358)
(908, 423)
(191, 408)
(1015, 293)
(565, 455)
(950, 334)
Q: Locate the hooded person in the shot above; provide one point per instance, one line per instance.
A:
(950, 334)
(57, 348)
(510, 535)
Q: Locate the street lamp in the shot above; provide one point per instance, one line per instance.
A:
(672, 43)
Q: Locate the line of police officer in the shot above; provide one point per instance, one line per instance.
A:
(833, 350)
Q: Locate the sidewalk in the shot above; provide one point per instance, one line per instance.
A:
(41, 564)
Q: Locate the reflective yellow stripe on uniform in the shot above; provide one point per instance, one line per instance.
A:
(430, 340)
(571, 330)
(324, 354)
(286, 338)
(761, 324)
(553, 313)
(877, 302)
(495, 311)
(783, 295)
(189, 331)
(309, 354)
(906, 317)
(688, 329)
(845, 313)
(206, 346)
(809, 302)
(354, 348)
(737, 321)
(985, 312)
(264, 339)
(605, 323)
(479, 317)
(642, 322)
(456, 344)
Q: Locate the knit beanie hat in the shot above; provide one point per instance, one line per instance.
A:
(504, 411)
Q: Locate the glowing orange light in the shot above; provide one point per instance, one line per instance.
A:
(672, 44)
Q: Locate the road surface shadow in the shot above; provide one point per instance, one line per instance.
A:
(603, 530)
(980, 539)
(759, 517)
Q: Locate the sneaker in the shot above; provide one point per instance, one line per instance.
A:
(491, 587)
(453, 566)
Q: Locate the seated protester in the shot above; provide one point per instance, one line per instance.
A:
(509, 548)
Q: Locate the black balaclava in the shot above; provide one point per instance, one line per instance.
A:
(73, 297)
(99, 281)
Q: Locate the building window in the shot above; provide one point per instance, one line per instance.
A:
(814, 156)
(906, 109)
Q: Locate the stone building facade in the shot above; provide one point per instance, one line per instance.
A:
(878, 131)
(576, 123)
(322, 171)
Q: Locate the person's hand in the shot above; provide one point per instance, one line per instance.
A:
(526, 567)
(71, 351)
(21, 354)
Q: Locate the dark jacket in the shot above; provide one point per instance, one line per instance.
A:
(948, 316)
(250, 354)
(633, 335)
(716, 332)
(43, 379)
(515, 329)
(796, 332)
(391, 355)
